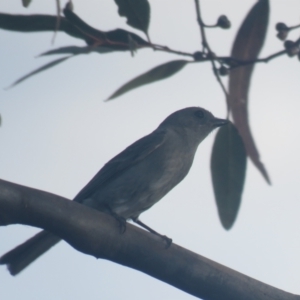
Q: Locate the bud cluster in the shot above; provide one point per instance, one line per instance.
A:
(292, 48)
(282, 31)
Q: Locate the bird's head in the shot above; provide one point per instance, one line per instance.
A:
(196, 122)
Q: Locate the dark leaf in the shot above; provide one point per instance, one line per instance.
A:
(26, 3)
(68, 50)
(82, 26)
(124, 36)
(247, 45)
(137, 13)
(117, 39)
(41, 69)
(158, 73)
(228, 169)
(78, 50)
(97, 37)
(33, 23)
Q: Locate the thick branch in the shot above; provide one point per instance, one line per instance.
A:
(97, 234)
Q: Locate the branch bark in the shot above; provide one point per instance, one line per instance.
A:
(97, 234)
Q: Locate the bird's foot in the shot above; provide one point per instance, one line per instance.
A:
(122, 222)
(164, 237)
(122, 225)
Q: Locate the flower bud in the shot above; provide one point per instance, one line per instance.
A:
(281, 26)
(282, 34)
(223, 71)
(291, 48)
(198, 56)
(223, 22)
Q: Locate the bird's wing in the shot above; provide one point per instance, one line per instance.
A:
(123, 161)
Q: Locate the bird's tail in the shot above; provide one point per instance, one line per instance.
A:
(20, 257)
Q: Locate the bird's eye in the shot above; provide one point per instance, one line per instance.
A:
(199, 114)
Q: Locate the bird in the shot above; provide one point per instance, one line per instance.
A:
(135, 179)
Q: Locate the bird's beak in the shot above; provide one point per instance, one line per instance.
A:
(219, 122)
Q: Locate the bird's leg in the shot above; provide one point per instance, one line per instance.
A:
(121, 220)
(164, 237)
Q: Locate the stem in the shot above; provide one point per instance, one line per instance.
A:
(167, 49)
(294, 27)
(241, 63)
(211, 56)
(201, 27)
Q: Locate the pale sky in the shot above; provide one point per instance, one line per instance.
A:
(57, 132)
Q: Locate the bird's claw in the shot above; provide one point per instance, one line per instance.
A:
(121, 221)
(122, 225)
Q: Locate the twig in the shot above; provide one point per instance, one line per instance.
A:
(201, 26)
(210, 55)
(294, 27)
(240, 63)
(230, 61)
(167, 49)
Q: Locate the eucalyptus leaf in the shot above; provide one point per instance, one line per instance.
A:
(137, 13)
(39, 70)
(75, 50)
(247, 45)
(158, 73)
(228, 169)
(38, 23)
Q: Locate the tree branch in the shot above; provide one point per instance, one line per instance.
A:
(97, 234)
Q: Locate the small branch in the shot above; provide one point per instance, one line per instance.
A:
(211, 56)
(201, 26)
(294, 27)
(236, 63)
(270, 57)
(222, 86)
(210, 26)
(167, 49)
(34, 23)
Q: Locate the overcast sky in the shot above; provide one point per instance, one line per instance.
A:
(57, 132)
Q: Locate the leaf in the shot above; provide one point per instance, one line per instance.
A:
(41, 69)
(124, 36)
(75, 50)
(228, 169)
(68, 50)
(26, 3)
(247, 45)
(158, 73)
(82, 26)
(137, 13)
(37, 23)
(117, 39)
(114, 38)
